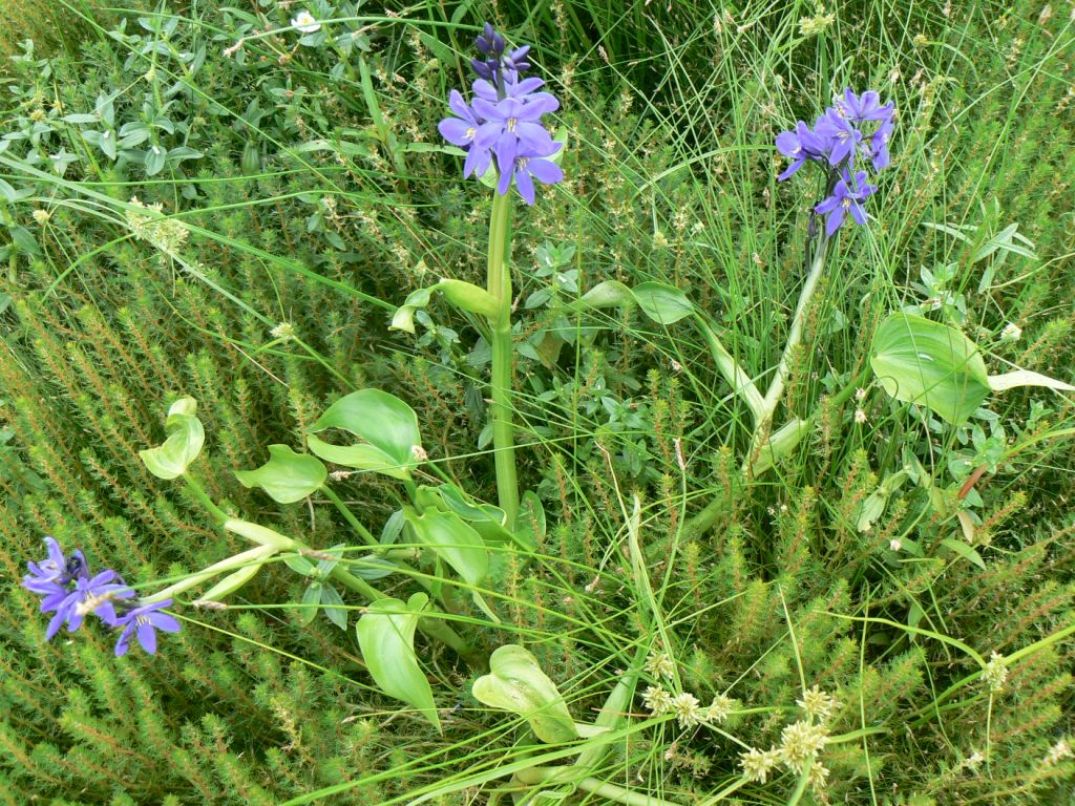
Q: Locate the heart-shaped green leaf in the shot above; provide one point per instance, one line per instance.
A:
(931, 364)
(662, 303)
(287, 477)
(388, 427)
(386, 638)
(517, 684)
(183, 444)
(455, 541)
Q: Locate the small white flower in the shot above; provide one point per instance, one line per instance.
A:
(860, 416)
(41, 216)
(1011, 332)
(860, 394)
(305, 22)
(895, 544)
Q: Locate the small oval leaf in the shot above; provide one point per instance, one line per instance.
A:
(386, 638)
(287, 477)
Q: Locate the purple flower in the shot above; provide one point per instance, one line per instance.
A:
(528, 167)
(55, 571)
(842, 136)
(512, 126)
(496, 67)
(90, 595)
(462, 131)
(879, 145)
(504, 120)
(847, 197)
(865, 107)
(800, 145)
(144, 621)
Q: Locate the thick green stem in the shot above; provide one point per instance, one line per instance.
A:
(238, 561)
(741, 383)
(499, 286)
(203, 498)
(776, 386)
(764, 416)
(349, 516)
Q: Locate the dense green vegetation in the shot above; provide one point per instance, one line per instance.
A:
(306, 192)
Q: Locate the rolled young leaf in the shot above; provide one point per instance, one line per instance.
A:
(183, 444)
(517, 684)
(386, 638)
(287, 477)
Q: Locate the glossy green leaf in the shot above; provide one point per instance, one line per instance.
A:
(183, 444)
(662, 303)
(386, 638)
(487, 520)
(607, 294)
(931, 364)
(287, 477)
(517, 684)
(392, 443)
(454, 541)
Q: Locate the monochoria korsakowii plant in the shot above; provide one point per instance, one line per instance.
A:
(70, 592)
(850, 134)
(507, 145)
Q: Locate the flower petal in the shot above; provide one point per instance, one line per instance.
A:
(525, 185)
(545, 171)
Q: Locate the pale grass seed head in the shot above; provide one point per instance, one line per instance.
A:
(800, 742)
(656, 700)
(819, 705)
(687, 710)
(660, 665)
(757, 764)
(719, 710)
(1058, 752)
(995, 674)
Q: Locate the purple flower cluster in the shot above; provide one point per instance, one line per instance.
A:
(503, 122)
(70, 593)
(856, 127)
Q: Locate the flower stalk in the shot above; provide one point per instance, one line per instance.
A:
(499, 287)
